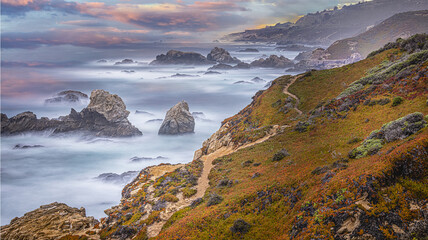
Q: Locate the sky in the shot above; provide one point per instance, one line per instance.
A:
(30, 24)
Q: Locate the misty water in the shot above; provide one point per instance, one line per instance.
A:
(64, 169)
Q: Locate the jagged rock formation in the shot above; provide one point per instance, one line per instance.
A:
(273, 62)
(327, 26)
(178, 120)
(222, 56)
(69, 96)
(122, 178)
(106, 115)
(51, 221)
(178, 57)
(125, 61)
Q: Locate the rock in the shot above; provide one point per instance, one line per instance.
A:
(115, 178)
(242, 82)
(154, 120)
(109, 105)
(256, 175)
(200, 115)
(250, 50)
(143, 112)
(242, 65)
(222, 56)
(178, 57)
(178, 120)
(139, 159)
(183, 75)
(273, 62)
(102, 61)
(240, 226)
(280, 155)
(212, 73)
(128, 71)
(125, 61)
(293, 47)
(105, 116)
(221, 66)
(214, 199)
(257, 80)
(26, 122)
(20, 146)
(69, 96)
(196, 202)
(51, 221)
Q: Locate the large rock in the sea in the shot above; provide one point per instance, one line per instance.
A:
(69, 96)
(52, 221)
(105, 116)
(178, 120)
(273, 62)
(26, 122)
(179, 57)
(222, 56)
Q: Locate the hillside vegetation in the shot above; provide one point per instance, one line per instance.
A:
(352, 166)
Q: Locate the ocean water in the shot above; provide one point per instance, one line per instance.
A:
(64, 169)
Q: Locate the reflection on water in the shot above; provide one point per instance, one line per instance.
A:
(64, 168)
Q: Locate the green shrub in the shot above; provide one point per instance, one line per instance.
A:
(368, 147)
(188, 192)
(170, 198)
(397, 101)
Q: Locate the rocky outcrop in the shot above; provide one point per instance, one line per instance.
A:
(273, 62)
(178, 120)
(69, 96)
(222, 56)
(51, 221)
(221, 66)
(105, 116)
(115, 178)
(249, 50)
(178, 57)
(125, 61)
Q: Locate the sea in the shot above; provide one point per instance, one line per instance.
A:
(65, 167)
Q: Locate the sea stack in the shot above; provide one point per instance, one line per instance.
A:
(178, 120)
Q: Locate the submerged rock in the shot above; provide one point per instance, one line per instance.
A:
(273, 62)
(115, 178)
(222, 56)
(251, 50)
(139, 159)
(221, 66)
(178, 120)
(179, 57)
(51, 221)
(20, 146)
(106, 115)
(125, 61)
(69, 96)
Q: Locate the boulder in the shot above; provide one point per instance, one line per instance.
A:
(178, 120)
(178, 57)
(125, 61)
(222, 56)
(273, 62)
(242, 65)
(69, 96)
(51, 221)
(250, 50)
(221, 66)
(105, 116)
(115, 178)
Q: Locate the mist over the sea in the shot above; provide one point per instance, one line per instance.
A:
(65, 167)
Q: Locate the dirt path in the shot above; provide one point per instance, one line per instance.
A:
(203, 184)
(285, 91)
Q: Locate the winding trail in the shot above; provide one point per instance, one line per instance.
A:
(285, 91)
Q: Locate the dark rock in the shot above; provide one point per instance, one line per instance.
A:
(102, 61)
(125, 61)
(222, 56)
(281, 154)
(273, 62)
(221, 66)
(178, 120)
(196, 202)
(154, 120)
(320, 170)
(246, 163)
(128, 71)
(143, 112)
(69, 96)
(257, 80)
(240, 226)
(302, 126)
(183, 75)
(225, 183)
(329, 175)
(159, 205)
(214, 199)
(242, 82)
(256, 164)
(178, 57)
(106, 116)
(212, 73)
(115, 178)
(251, 50)
(242, 65)
(20, 146)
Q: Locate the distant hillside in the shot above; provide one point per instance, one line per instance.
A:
(330, 25)
(402, 25)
